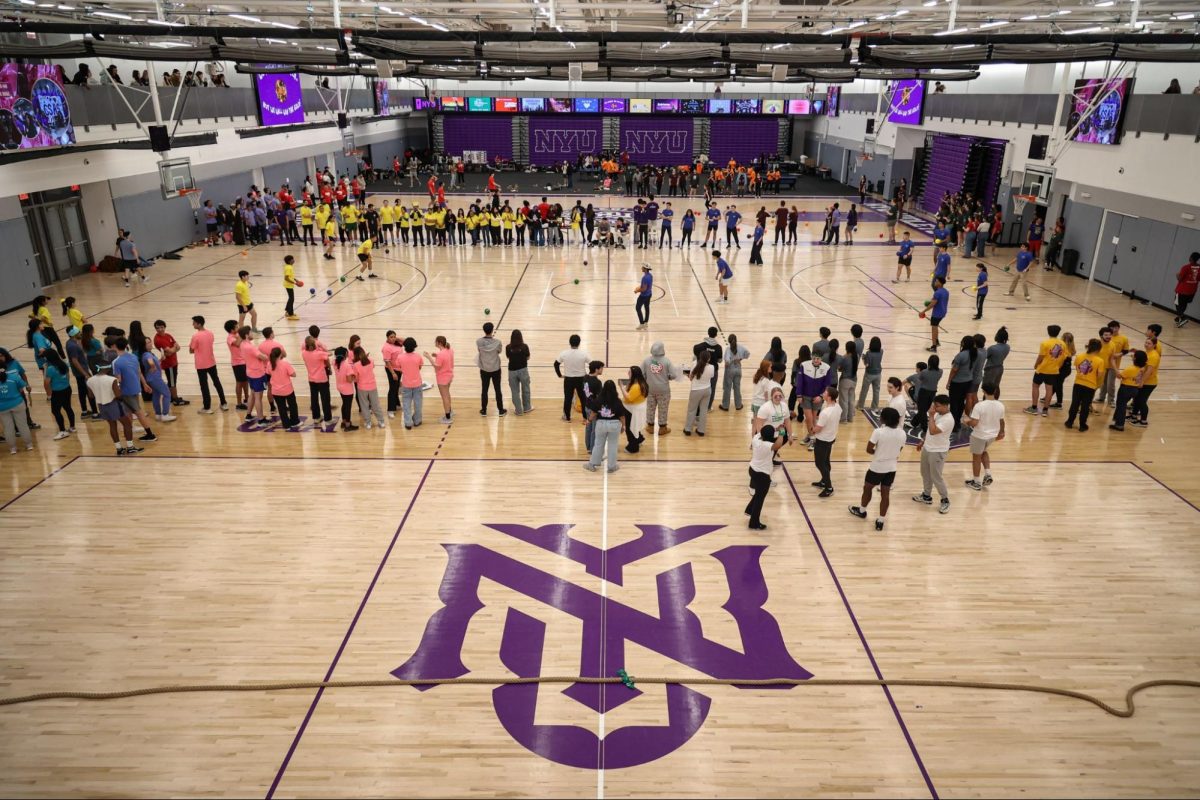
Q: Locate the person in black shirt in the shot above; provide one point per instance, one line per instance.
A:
(517, 353)
(711, 346)
(607, 417)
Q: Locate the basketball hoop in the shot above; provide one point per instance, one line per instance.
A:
(193, 196)
(1020, 201)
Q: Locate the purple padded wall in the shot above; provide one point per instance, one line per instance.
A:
(742, 139)
(554, 139)
(661, 141)
(478, 132)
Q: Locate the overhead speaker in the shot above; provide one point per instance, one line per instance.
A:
(1038, 145)
(575, 71)
(160, 140)
(870, 124)
(343, 120)
(779, 73)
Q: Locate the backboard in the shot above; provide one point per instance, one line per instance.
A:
(1037, 182)
(175, 174)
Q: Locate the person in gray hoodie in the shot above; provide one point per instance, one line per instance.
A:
(489, 348)
(659, 372)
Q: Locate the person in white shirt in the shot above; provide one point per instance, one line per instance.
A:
(702, 375)
(933, 453)
(105, 389)
(899, 400)
(572, 366)
(824, 435)
(987, 426)
(884, 447)
(763, 448)
(775, 413)
(763, 386)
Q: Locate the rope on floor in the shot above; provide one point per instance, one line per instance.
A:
(1125, 712)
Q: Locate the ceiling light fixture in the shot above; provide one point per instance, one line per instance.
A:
(244, 17)
(995, 24)
(1182, 16)
(111, 15)
(1029, 18)
(161, 22)
(1096, 29)
(1104, 4)
(951, 33)
(439, 27)
(285, 25)
(832, 31)
(901, 12)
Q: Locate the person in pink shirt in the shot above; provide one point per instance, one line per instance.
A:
(367, 389)
(316, 363)
(236, 360)
(283, 391)
(392, 348)
(344, 375)
(410, 362)
(201, 348)
(265, 347)
(443, 368)
(256, 374)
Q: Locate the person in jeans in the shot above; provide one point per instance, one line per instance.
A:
(872, 362)
(489, 348)
(1131, 379)
(644, 290)
(517, 353)
(607, 415)
(367, 389)
(659, 371)
(77, 359)
(824, 435)
(735, 354)
(201, 348)
(572, 366)
(933, 449)
(591, 390)
(847, 368)
(411, 387)
(763, 448)
(700, 395)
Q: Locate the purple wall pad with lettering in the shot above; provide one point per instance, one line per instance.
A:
(661, 141)
(553, 139)
(742, 139)
(479, 132)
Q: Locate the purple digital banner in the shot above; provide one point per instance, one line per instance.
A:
(661, 141)
(491, 134)
(1103, 124)
(907, 102)
(742, 139)
(33, 108)
(562, 138)
(279, 99)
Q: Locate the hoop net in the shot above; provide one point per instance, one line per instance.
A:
(194, 197)
(1020, 201)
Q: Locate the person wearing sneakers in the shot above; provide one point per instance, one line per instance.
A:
(289, 286)
(201, 348)
(884, 447)
(763, 447)
(724, 275)
(1187, 281)
(987, 426)
(903, 256)
(824, 435)
(571, 365)
(1051, 354)
(365, 259)
(105, 389)
(130, 258)
(659, 371)
(644, 290)
(1022, 261)
(933, 450)
(241, 291)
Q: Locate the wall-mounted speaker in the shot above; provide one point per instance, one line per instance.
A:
(870, 124)
(160, 140)
(1038, 145)
(343, 120)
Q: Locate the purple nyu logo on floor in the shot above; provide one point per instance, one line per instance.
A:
(676, 632)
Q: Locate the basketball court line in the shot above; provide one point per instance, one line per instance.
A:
(33, 486)
(500, 321)
(349, 632)
(912, 746)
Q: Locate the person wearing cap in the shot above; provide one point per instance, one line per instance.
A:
(644, 289)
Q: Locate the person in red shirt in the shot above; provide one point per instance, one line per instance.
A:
(284, 196)
(340, 194)
(326, 194)
(441, 195)
(431, 187)
(492, 187)
(781, 220)
(544, 209)
(1187, 279)
(166, 344)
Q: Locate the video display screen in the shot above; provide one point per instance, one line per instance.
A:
(799, 105)
(587, 105)
(382, 101)
(1106, 121)
(639, 105)
(559, 105)
(479, 104)
(533, 104)
(833, 96)
(720, 106)
(664, 105)
(818, 107)
(454, 103)
(692, 106)
(906, 105)
(615, 105)
(772, 107)
(33, 108)
(421, 104)
(279, 101)
(506, 104)
(747, 106)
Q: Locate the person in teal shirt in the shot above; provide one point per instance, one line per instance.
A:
(13, 409)
(57, 379)
(12, 365)
(38, 342)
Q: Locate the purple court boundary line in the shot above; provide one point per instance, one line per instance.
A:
(45, 478)
(1147, 473)
(287, 759)
(912, 746)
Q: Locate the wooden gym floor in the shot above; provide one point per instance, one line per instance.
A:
(219, 556)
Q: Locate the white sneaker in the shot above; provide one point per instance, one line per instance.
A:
(368, 426)
(61, 435)
(205, 411)
(224, 406)
(391, 415)
(168, 417)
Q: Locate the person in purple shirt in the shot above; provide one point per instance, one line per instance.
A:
(1023, 260)
(260, 223)
(936, 308)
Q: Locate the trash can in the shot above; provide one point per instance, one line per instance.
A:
(1070, 262)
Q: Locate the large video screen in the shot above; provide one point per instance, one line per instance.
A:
(746, 106)
(692, 106)
(833, 98)
(33, 108)
(799, 105)
(720, 106)
(1106, 122)
(533, 104)
(615, 105)
(279, 100)
(664, 105)
(421, 104)
(587, 105)
(506, 104)
(772, 106)
(382, 100)
(639, 105)
(454, 103)
(906, 104)
(479, 104)
(559, 105)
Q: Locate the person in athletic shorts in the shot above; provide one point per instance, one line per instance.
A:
(366, 263)
(936, 308)
(904, 258)
(987, 426)
(241, 291)
(884, 447)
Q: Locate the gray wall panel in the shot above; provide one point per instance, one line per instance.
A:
(19, 281)
(294, 171)
(1083, 226)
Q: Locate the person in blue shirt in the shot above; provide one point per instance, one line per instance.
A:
(936, 308)
(130, 258)
(57, 380)
(13, 409)
(713, 215)
(1023, 260)
(757, 245)
(904, 258)
(685, 228)
(732, 218)
(38, 342)
(981, 289)
(644, 290)
(941, 235)
(724, 276)
(665, 234)
(941, 264)
(128, 371)
(1037, 231)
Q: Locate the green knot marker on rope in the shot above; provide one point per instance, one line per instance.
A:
(626, 678)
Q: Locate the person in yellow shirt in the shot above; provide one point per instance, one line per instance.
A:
(441, 228)
(416, 221)
(1089, 372)
(350, 222)
(401, 215)
(241, 292)
(306, 225)
(75, 317)
(1131, 378)
(365, 262)
(1140, 412)
(322, 216)
(331, 232)
(471, 229)
(1051, 354)
(289, 285)
(519, 225)
(387, 222)
(495, 220)
(430, 220)
(507, 218)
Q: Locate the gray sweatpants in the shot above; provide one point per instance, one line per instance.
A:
(871, 382)
(368, 403)
(661, 402)
(931, 473)
(697, 409)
